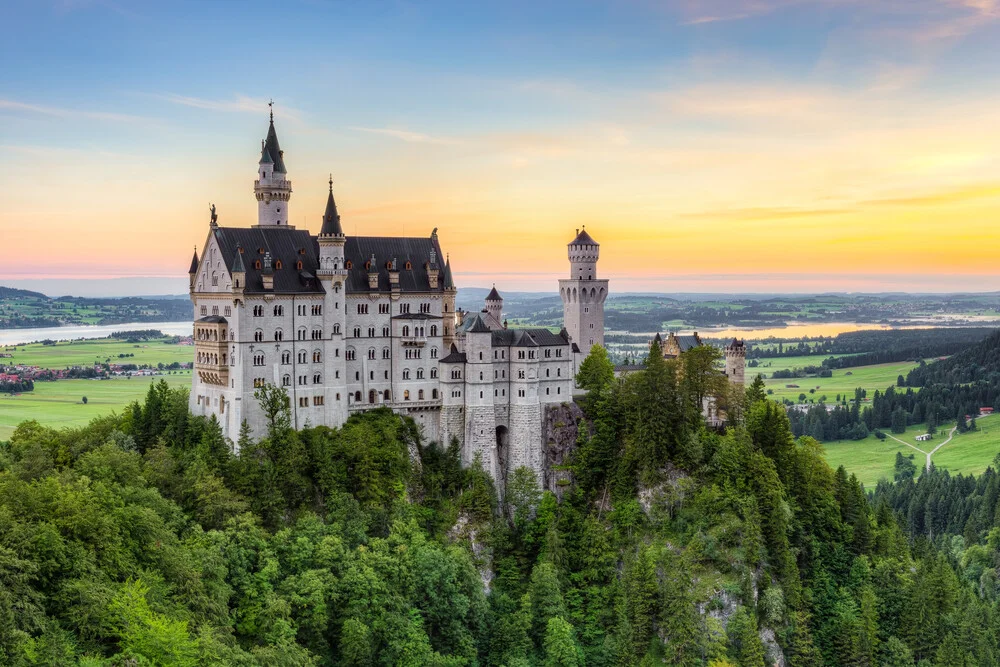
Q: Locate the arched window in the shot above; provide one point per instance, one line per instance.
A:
(256, 265)
(336, 329)
(298, 265)
(406, 394)
(286, 380)
(434, 330)
(286, 357)
(420, 394)
(386, 395)
(278, 335)
(277, 265)
(357, 397)
(406, 373)
(317, 378)
(348, 264)
(350, 354)
(317, 356)
(409, 266)
(420, 374)
(279, 311)
(258, 335)
(406, 331)
(371, 353)
(434, 373)
(434, 394)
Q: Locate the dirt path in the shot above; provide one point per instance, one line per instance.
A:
(951, 434)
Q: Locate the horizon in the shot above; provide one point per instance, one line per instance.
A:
(766, 147)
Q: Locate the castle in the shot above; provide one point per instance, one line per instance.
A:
(350, 323)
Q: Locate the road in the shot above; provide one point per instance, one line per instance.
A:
(951, 434)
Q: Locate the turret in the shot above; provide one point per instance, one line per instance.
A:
(736, 361)
(583, 294)
(239, 271)
(451, 316)
(193, 271)
(583, 255)
(494, 308)
(272, 189)
(331, 238)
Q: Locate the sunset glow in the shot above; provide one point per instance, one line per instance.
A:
(729, 146)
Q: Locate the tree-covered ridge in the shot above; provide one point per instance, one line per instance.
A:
(952, 389)
(142, 540)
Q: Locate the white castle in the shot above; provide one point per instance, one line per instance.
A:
(347, 324)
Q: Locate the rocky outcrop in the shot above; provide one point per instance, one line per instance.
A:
(560, 429)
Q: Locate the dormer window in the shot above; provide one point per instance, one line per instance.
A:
(277, 265)
(260, 251)
(409, 266)
(302, 251)
(298, 265)
(348, 264)
(256, 265)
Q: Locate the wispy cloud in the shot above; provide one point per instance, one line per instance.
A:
(406, 135)
(63, 112)
(238, 104)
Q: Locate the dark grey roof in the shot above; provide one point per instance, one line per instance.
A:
(194, 262)
(265, 157)
(416, 251)
(331, 219)
(620, 368)
(736, 344)
(272, 148)
(237, 264)
(476, 325)
(688, 342)
(528, 338)
(494, 295)
(416, 316)
(285, 245)
(449, 282)
(583, 238)
(212, 319)
(454, 357)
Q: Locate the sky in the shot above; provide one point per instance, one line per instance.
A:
(708, 145)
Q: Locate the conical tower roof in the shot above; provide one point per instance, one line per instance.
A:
(331, 219)
(583, 238)
(449, 282)
(265, 156)
(272, 148)
(194, 263)
(238, 261)
(494, 295)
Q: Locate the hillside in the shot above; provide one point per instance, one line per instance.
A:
(141, 539)
(979, 363)
(14, 293)
(25, 309)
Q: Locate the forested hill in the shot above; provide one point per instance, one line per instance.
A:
(14, 293)
(143, 540)
(979, 363)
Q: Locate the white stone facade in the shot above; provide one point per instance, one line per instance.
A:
(347, 324)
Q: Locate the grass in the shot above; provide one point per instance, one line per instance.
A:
(768, 366)
(872, 459)
(87, 352)
(843, 381)
(58, 404)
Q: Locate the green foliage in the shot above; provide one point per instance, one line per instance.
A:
(596, 371)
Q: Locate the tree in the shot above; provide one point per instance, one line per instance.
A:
(745, 647)
(898, 423)
(904, 468)
(560, 645)
(596, 371)
(756, 391)
(84, 400)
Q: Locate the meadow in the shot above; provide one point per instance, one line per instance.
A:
(843, 381)
(60, 404)
(88, 352)
(872, 459)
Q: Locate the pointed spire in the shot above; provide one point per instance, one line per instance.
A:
(238, 260)
(449, 282)
(194, 262)
(265, 157)
(331, 219)
(494, 295)
(272, 147)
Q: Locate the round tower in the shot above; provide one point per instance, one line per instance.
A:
(494, 308)
(272, 189)
(583, 294)
(736, 361)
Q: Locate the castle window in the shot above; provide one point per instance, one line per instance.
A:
(228, 311)
(215, 279)
(386, 396)
(317, 334)
(434, 353)
(480, 357)
(256, 265)
(520, 354)
(420, 394)
(279, 311)
(480, 375)
(434, 394)
(317, 378)
(371, 332)
(298, 265)
(350, 354)
(425, 308)
(546, 391)
(406, 373)
(357, 397)
(558, 353)
(406, 331)
(258, 359)
(520, 375)
(434, 373)
(317, 400)
(383, 308)
(302, 356)
(215, 310)
(406, 394)
(434, 330)
(336, 329)
(520, 392)
(558, 372)
(258, 335)
(286, 381)
(408, 266)
(546, 372)
(371, 353)
(338, 396)
(277, 265)
(317, 356)
(204, 310)
(258, 311)
(362, 309)
(357, 332)
(420, 374)
(286, 357)
(278, 335)
(558, 390)
(317, 310)
(386, 353)
(348, 264)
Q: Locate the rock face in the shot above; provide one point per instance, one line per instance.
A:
(561, 428)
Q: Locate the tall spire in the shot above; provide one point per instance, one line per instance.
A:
(194, 262)
(449, 282)
(331, 219)
(272, 147)
(238, 260)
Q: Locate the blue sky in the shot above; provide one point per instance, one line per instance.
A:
(787, 144)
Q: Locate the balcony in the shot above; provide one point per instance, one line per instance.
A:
(413, 341)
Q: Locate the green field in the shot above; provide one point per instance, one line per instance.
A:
(58, 404)
(843, 381)
(87, 352)
(873, 459)
(768, 366)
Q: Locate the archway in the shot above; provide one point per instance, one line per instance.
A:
(503, 449)
(371, 396)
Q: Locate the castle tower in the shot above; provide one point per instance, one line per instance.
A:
(480, 415)
(333, 275)
(272, 188)
(583, 294)
(494, 309)
(736, 361)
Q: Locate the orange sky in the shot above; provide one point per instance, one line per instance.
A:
(714, 170)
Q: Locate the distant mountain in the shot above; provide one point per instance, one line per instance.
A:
(14, 293)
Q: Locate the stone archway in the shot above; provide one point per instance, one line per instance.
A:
(503, 450)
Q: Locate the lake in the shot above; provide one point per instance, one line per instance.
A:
(18, 336)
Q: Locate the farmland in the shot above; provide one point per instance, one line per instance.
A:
(872, 459)
(60, 404)
(842, 381)
(104, 350)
